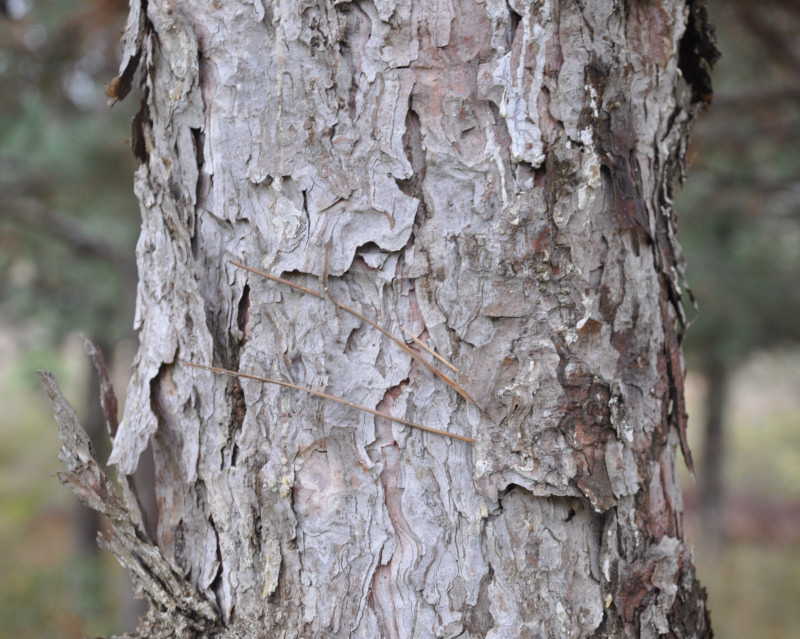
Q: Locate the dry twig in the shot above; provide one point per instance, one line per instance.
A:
(402, 345)
(332, 398)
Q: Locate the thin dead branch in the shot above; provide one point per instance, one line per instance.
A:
(428, 349)
(332, 398)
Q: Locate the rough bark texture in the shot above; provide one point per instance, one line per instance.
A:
(494, 177)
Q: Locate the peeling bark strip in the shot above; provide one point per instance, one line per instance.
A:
(176, 609)
(495, 177)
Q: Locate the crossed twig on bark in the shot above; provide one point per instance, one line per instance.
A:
(402, 345)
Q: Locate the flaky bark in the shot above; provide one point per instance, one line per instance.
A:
(496, 178)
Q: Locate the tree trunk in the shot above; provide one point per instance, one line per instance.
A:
(712, 493)
(496, 179)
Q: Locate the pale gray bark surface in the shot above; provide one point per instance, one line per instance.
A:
(494, 177)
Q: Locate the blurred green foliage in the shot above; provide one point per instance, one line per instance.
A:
(740, 210)
(68, 217)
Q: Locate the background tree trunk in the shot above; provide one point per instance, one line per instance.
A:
(712, 490)
(494, 177)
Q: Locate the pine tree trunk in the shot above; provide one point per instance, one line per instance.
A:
(496, 179)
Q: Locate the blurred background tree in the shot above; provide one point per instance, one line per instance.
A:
(68, 213)
(740, 230)
(740, 216)
(69, 221)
